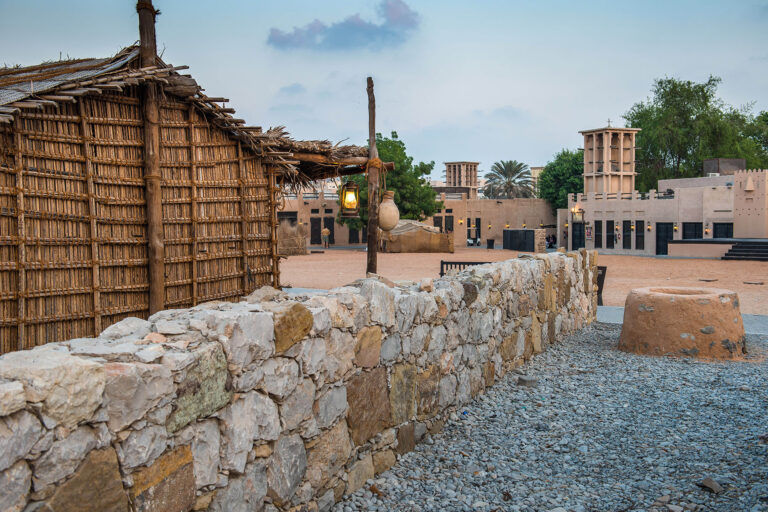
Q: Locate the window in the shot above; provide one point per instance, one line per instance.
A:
(639, 235)
(329, 210)
(692, 230)
(449, 210)
(315, 210)
(609, 236)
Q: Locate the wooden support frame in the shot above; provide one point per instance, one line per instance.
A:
(193, 196)
(95, 260)
(21, 232)
(243, 216)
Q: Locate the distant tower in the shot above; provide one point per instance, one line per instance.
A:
(609, 160)
(462, 174)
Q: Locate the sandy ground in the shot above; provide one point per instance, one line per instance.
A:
(338, 267)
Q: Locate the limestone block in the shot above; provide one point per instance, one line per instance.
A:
(133, 327)
(330, 406)
(418, 339)
(391, 349)
(339, 352)
(19, 432)
(447, 391)
(168, 485)
(298, 406)
(142, 447)
(110, 350)
(427, 383)
(205, 441)
(245, 336)
(132, 389)
(407, 308)
(328, 454)
(310, 354)
(406, 438)
(369, 409)
(321, 321)
(437, 342)
(402, 395)
(383, 460)
(264, 294)
(463, 388)
(326, 501)
(360, 472)
(244, 493)
(476, 380)
(95, 487)
(286, 468)
(63, 457)
(293, 321)
(170, 327)
(70, 388)
(381, 300)
(280, 376)
(11, 397)
(252, 418)
(536, 334)
(14, 486)
(368, 346)
(204, 388)
(341, 317)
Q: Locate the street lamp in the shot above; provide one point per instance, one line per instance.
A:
(350, 200)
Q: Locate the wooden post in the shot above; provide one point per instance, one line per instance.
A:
(21, 264)
(94, 233)
(373, 183)
(152, 177)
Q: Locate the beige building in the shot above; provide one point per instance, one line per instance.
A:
(611, 216)
(535, 173)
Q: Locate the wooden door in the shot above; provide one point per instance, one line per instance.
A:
(314, 231)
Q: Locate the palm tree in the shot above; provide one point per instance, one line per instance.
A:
(507, 180)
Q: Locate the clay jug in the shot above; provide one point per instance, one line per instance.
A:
(389, 215)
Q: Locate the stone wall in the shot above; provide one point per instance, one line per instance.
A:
(271, 403)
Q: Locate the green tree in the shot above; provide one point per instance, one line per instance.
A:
(508, 179)
(414, 196)
(683, 123)
(562, 176)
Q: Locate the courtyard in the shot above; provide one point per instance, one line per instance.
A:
(338, 267)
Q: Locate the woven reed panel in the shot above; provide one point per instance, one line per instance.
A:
(75, 261)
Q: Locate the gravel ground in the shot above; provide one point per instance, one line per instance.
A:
(600, 431)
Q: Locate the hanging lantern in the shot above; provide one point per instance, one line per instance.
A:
(461, 221)
(649, 227)
(489, 226)
(350, 200)
(632, 227)
(389, 215)
(523, 225)
(675, 227)
(506, 225)
(566, 224)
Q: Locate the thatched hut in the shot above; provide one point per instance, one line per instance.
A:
(125, 190)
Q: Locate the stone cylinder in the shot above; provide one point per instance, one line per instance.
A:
(697, 322)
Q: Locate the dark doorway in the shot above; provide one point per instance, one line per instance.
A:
(577, 240)
(329, 222)
(609, 236)
(354, 236)
(314, 231)
(626, 234)
(438, 223)
(598, 234)
(664, 233)
(639, 235)
(478, 228)
(290, 217)
(365, 234)
(722, 229)
(692, 230)
(449, 223)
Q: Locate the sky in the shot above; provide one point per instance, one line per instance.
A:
(481, 81)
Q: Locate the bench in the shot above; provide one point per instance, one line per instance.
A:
(458, 265)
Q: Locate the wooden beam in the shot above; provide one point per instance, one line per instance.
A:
(152, 176)
(373, 182)
(92, 214)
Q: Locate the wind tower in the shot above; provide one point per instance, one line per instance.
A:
(609, 160)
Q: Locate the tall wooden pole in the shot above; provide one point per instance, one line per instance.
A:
(152, 177)
(374, 164)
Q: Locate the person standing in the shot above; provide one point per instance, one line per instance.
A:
(326, 235)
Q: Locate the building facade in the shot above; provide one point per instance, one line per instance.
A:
(612, 217)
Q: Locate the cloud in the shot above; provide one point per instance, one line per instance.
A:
(293, 89)
(399, 21)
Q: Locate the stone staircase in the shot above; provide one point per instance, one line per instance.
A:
(756, 250)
